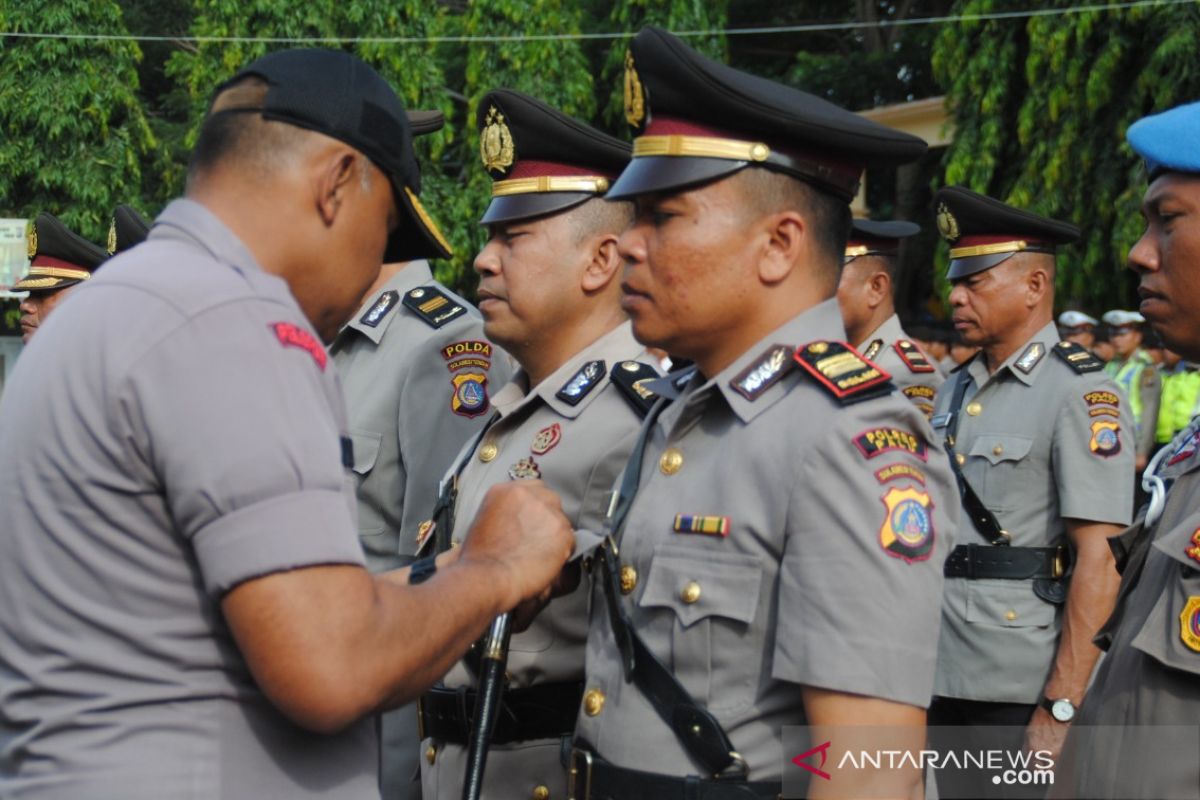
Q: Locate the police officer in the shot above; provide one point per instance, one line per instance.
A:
(1134, 371)
(784, 469)
(416, 370)
(59, 259)
(1078, 327)
(549, 291)
(128, 229)
(866, 295)
(1138, 735)
(1040, 439)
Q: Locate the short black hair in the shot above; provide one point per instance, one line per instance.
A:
(828, 216)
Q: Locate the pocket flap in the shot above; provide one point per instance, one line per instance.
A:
(997, 447)
(697, 585)
(366, 450)
(1009, 604)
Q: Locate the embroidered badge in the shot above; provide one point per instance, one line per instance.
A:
(1102, 398)
(1030, 358)
(922, 397)
(496, 149)
(873, 349)
(896, 471)
(841, 370)
(473, 353)
(632, 377)
(635, 96)
(907, 531)
(1078, 357)
(764, 372)
(377, 312)
(696, 523)
(912, 356)
(525, 469)
(1189, 623)
(433, 306)
(546, 439)
(947, 225)
(1104, 412)
(881, 440)
(1106, 438)
(290, 335)
(581, 383)
(470, 397)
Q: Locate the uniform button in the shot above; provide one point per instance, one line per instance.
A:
(593, 702)
(1010, 615)
(973, 409)
(541, 793)
(629, 578)
(960, 458)
(690, 593)
(431, 754)
(671, 461)
(488, 452)
(998, 450)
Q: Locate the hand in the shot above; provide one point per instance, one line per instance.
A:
(1044, 732)
(521, 529)
(566, 582)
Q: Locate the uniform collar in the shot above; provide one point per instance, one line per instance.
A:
(416, 273)
(1046, 338)
(188, 221)
(888, 331)
(613, 347)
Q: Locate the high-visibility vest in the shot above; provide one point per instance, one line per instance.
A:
(1180, 394)
(1128, 375)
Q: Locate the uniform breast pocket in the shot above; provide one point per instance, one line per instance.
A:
(1006, 455)
(713, 599)
(366, 453)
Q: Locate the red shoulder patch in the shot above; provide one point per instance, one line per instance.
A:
(291, 335)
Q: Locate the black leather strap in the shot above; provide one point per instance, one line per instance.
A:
(593, 778)
(983, 519)
(974, 561)
(542, 711)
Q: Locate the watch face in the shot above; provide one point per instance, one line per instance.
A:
(1062, 710)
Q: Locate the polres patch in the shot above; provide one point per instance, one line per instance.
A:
(907, 531)
(292, 335)
(894, 472)
(470, 397)
(1106, 438)
(881, 440)
(1101, 398)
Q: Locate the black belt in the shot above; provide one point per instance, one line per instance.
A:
(542, 711)
(592, 778)
(974, 561)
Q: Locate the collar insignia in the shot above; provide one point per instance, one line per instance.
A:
(377, 312)
(1030, 358)
(873, 349)
(764, 372)
(581, 383)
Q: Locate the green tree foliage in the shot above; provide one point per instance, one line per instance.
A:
(73, 136)
(1041, 107)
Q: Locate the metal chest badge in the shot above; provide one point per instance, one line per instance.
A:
(496, 148)
(635, 95)
(546, 439)
(1189, 624)
(907, 531)
(1106, 438)
(525, 469)
(470, 397)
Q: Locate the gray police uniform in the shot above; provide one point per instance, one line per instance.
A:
(407, 361)
(913, 373)
(1136, 735)
(1039, 443)
(173, 431)
(575, 431)
(760, 500)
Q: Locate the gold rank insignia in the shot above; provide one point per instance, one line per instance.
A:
(947, 225)
(1189, 623)
(496, 148)
(31, 241)
(635, 95)
(907, 531)
(112, 237)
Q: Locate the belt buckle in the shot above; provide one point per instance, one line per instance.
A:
(1059, 567)
(577, 756)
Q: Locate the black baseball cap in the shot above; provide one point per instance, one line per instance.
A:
(58, 257)
(341, 96)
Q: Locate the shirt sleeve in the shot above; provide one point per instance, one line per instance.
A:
(1093, 453)
(860, 586)
(239, 412)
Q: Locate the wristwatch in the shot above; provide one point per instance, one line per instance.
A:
(1062, 709)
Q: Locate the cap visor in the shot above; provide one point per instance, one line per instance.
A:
(33, 283)
(417, 235)
(649, 174)
(963, 267)
(534, 204)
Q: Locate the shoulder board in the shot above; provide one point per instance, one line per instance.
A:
(631, 378)
(912, 356)
(433, 305)
(1078, 357)
(845, 374)
(764, 372)
(581, 383)
(375, 314)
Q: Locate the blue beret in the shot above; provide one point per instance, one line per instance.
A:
(1168, 141)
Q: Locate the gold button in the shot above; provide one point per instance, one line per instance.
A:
(960, 458)
(629, 578)
(998, 450)
(1010, 615)
(973, 409)
(593, 702)
(541, 793)
(690, 593)
(488, 452)
(671, 461)
(431, 754)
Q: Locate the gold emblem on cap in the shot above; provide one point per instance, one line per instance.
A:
(112, 237)
(496, 142)
(946, 223)
(635, 96)
(31, 240)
